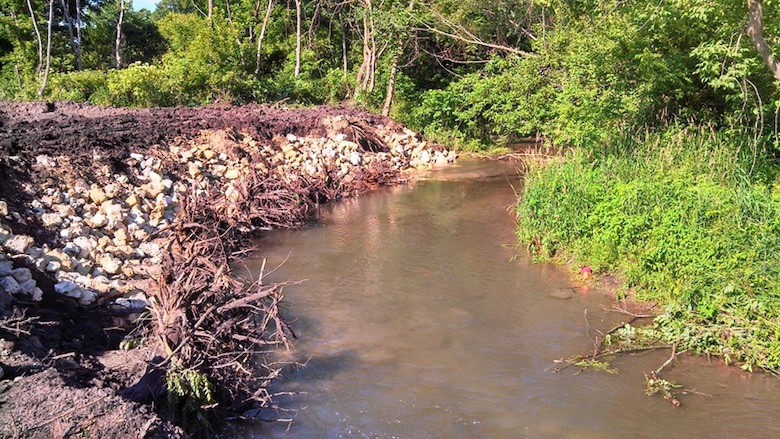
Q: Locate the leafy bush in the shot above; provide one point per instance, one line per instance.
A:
(140, 85)
(581, 85)
(83, 86)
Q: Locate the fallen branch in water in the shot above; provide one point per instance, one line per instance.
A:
(604, 347)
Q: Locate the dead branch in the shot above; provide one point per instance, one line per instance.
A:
(17, 322)
(460, 33)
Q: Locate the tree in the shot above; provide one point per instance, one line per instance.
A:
(261, 36)
(48, 50)
(38, 37)
(394, 72)
(366, 73)
(75, 39)
(119, 34)
(755, 30)
(297, 38)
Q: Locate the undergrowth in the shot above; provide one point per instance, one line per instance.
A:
(688, 218)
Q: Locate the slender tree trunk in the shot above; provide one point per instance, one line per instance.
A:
(262, 35)
(211, 12)
(16, 66)
(38, 36)
(79, 61)
(118, 52)
(76, 47)
(48, 51)
(393, 74)
(297, 38)
(390, 89)
(344, 46)
(371, 77)
(365, 76)
(755, 30)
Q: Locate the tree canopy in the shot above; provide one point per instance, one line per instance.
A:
(467, 71)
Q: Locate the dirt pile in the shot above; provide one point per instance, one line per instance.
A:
(109, 213)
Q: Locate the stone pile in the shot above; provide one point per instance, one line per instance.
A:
(106, 250)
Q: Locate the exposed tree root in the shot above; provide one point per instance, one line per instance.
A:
(208, 323)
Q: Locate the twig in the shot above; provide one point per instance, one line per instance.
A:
(668, 361)
(634, 316)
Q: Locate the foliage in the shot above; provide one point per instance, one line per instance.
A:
(189, 393)
(688, 218)
(84, 86)
(596, 365)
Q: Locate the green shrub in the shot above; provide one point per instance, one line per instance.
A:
(83, 86)
(140, 85)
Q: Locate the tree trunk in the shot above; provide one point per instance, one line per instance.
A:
(390, 89)
(40, 41)
(79, 61)
(262, 35)
(119, 34)
(76, 47)
(755, 31)
(48, 51)
(210, 12)
(365, 76)
(394, 73)
(344, 46)
(297, 38)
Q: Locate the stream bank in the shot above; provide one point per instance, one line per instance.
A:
(109, 215)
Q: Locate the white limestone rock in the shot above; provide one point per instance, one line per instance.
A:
(87, 297)
(9, 285)
(27, 287)
(51, 219)
(97, 220)
(114, 215)
(68, 288)
(19, 243)
(110, 264)
(6, 267)
(37, 294)
(21, 274)
(85, 244)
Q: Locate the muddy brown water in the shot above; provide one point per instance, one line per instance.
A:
(418, 319)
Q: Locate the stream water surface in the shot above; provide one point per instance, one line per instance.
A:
(418, 318)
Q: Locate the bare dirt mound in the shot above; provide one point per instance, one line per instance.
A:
(82, 129)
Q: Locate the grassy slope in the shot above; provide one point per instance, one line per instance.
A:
(687, 219)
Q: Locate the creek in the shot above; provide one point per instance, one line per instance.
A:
(417, 317)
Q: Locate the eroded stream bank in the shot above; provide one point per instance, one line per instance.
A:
(118, 228)
(415, 321)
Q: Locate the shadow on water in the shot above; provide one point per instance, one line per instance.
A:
(417, 320)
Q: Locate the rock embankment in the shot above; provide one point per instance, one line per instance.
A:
(98, 210)
(104, 248)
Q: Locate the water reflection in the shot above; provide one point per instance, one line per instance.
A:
(416, 322)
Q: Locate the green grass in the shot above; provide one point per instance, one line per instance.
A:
(688, 218)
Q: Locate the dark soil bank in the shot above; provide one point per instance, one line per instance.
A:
(115, 180)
